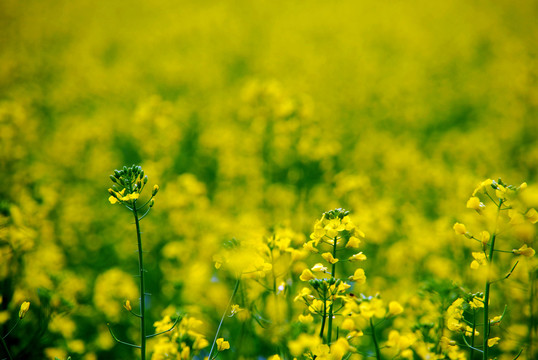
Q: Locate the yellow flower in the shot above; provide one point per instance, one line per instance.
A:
(474, 203)
(353, 242)
(482, 185)
(395, 308)
(200, 342)
(525, 251)
(235, 309)
(532, 215)
(479, 259)
(493, 341)
(484, 237)
(24, 309)
(339, 348)
(305, 293)
(329, 257)
(476, 303)
(317, 306)
(460, 229)
(310, 246)
(515, 217)
(304, 341)
(357, 257)
(359, 276)
(274, 357)
(222, 345)
(127, 305)
(306, 319)
(307, 275)
(500, 192)
(348, 324)
(319, 267)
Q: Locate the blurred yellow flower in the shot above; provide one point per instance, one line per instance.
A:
(329, 257)
(474, 203)
(306, 319)
(525, 251)
(319, 268)
(532, 215)
(395, 308)
(357, 257)
(307, 275)
(493, 341)
(24, 309)
(353, 242)
(359, 276)
(460, 229)
(479, 259)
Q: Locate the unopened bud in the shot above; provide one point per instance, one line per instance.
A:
(127, 305)
(113, 178)
(24, 309)
(151, 203)
(155, 190)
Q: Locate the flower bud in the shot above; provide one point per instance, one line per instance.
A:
(155, 190)
(460, 229)
(145, 180)
(127, 305)
(24, 309)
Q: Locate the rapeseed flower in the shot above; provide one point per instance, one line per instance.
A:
(24, 309)
(222, 344)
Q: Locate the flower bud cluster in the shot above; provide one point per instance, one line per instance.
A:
(128, 185)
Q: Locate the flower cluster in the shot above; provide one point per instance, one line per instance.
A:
(128, 185)
(183, 342)
(508, 218)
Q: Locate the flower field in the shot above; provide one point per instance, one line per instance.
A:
(268, 180)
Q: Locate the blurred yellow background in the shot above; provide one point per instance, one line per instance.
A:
(252, 116)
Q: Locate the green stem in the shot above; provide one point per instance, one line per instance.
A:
(333, 275)
(486, 290)
(142, 287)
(5, 347)
(472, 335)
(223, 315)
(324, 297)
(532, 277)
(376, 345)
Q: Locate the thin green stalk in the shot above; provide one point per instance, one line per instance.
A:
(472, 335)
(142, 287)
(224, 315)
(333, 275)
(5, 347)
(324, 313)
(487, 289)
(376, 345)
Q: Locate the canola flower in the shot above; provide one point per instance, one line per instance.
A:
(506, 204)
(128, 185)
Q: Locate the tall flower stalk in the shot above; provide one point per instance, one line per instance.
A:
(504, 198)
(128, 185)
